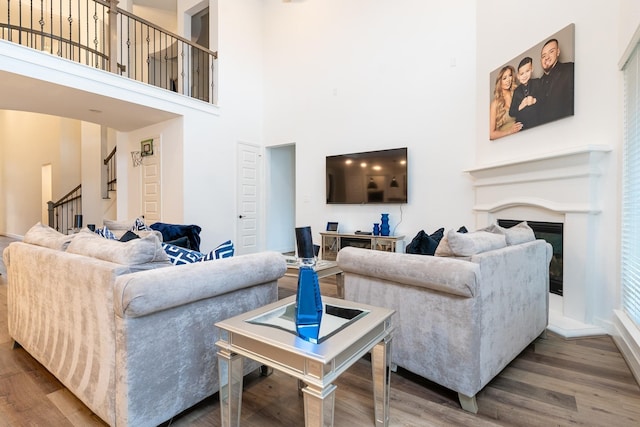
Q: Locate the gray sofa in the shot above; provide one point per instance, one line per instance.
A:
(129, 334)
(459, 320)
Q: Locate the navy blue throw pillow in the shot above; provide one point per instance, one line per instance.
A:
(424, 244)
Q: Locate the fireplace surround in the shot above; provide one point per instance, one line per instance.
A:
(561, 187)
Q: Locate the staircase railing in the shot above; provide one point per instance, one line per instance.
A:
(99, 34)
(63, 214)
(110, 163)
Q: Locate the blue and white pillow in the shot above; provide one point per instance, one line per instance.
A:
(223, 250)
(106, 233)
(139, 225)
(180, 256)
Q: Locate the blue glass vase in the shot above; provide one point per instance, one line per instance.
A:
(308, 300)
(384, 225)
(376, 229)
(308, 304)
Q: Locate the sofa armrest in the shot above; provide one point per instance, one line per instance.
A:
(146, 292)
(449, 275)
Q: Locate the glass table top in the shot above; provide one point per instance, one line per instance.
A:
(334, 319)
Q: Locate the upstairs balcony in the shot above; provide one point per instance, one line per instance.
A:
(98, 34)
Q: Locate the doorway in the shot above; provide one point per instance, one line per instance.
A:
(281, 198)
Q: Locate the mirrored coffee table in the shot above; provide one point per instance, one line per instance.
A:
(268, 335)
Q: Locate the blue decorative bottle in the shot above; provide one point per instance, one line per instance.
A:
(308, 312)
(376, 229)
(384, 225)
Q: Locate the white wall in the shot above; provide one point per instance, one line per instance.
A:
(598, 107)
(91, 166)
(360, 75)
(30, 141)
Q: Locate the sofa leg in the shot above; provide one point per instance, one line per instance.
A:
(469, 404)
(265, 370)
(543, 335)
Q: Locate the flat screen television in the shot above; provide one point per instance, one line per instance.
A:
(367, 177)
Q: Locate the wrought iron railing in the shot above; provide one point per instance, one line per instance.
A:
(110, 163)
(99, 34)
(66, 212)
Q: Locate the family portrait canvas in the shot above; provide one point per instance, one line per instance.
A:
(534, 88)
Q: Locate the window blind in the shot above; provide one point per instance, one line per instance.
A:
(630, 232)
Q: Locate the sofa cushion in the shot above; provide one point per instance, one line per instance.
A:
(519, 233)
(43, 235)
(145, 250)
(467, 244)
(443, 248)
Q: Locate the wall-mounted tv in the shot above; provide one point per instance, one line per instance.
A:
(368, 177)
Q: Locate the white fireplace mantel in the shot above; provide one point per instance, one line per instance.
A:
(563, 186)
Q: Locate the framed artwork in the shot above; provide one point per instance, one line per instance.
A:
(332, 226)
(146, 147)
(534, 88)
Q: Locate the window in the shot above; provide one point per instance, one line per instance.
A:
(630, 268)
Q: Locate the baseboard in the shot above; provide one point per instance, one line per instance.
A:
(627, 338)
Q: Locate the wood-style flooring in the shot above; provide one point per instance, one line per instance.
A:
(554, 382)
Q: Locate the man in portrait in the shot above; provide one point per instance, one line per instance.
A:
(556, 84)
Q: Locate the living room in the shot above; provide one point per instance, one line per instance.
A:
(333, 77)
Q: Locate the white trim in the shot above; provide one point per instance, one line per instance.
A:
(627, 337)
(542, 203)
(573, 151)
(635, 39)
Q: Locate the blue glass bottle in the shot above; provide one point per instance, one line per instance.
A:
(308, 314)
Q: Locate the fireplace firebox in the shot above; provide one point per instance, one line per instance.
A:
(552, 232)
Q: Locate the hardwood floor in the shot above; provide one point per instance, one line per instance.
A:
(554, 382)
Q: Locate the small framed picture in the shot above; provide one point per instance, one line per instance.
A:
(146, 147)
(332, 226)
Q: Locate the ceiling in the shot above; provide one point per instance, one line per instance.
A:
(27, 94)
(158, 4)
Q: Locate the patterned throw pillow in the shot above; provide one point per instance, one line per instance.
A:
(106, 233)
(223, 250)
(139, 225)
(180, 256)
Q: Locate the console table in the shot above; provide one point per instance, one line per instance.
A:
(332, 242)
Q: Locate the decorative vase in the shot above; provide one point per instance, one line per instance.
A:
(384, 227)
(376, 229)
(308, 312)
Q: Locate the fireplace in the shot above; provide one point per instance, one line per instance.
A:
(552, 232)
(562, 187)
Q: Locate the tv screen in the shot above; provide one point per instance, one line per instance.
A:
(368, 177)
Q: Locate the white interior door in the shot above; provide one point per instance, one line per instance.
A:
(248, 198)
(151, 188)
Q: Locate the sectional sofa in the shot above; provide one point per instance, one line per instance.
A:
(129, 334)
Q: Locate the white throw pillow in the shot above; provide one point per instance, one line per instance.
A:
(467, 244)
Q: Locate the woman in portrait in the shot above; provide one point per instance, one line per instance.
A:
(500, 122)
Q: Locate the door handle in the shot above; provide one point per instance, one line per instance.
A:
(240, 216)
